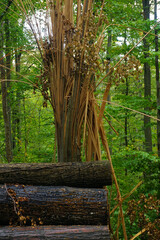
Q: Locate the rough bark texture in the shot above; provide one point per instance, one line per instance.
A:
(88, 174)
(53, 205)
(55, 233)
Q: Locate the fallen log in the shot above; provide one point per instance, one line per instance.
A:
(55, 233)
(49, 205)
(88, 174)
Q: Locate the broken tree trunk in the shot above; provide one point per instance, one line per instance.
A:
(55, 233)
(88, 174)
(53, 205)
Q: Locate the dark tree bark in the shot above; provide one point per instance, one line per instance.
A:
(55, 233)
(87, 174)
(16, 129)
(158, 87)
(25, 128)
(8, 69)
(157, 80)
(147, 81)
(5, 103)
(53, 205)
(6, 10)
(8, 60)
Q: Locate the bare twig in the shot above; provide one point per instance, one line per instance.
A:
(139, 233)
(131, 109)
(14, 203)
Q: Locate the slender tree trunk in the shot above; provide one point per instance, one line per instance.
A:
(39, 126)
(5, 105)
(158, 87)
(147, 82)
(8, 66)
(126, 111)
(18, 101)
(8, 73)
(25, 128)
(157, 80)
(13, 128)
(16, 130)
(126, 123)
(126, 117)
(109, 44)
(14, 113)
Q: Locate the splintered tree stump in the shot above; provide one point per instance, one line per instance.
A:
(88, 174)
(53, 205)
(55, 233)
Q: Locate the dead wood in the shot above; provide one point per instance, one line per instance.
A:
(52, 205)
(89, 174)
(55, 233)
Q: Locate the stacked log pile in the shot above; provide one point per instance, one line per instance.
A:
(67, 200)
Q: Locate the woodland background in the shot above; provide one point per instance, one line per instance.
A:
(132, 113)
